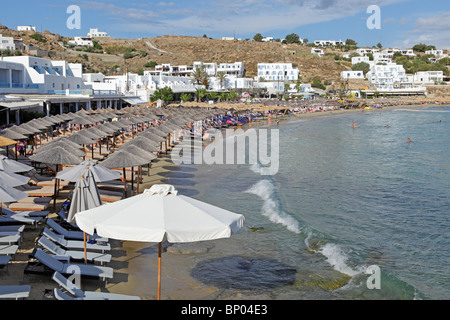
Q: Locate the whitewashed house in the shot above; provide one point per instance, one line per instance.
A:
(358, 75)
(391, 51)
(317, 51)
(329, 43)
(277, 72)
(428, 77)
(94, 33)
(7, 43)
(232, 69)
(356, 60)
(365, 51)
(26, 28)
(82, 42)
(210, 68)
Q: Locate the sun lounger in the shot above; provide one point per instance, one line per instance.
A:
(35, 191)
(19, 228)
(19, 206)
(47, 244)
(41, 181)
(8, 250)
(74, 244)
(10, 239)
(4, 260)
(103, 273)
(19, 219)
(72, 235)
(36, 200)
(62, 214)
(84, 295)
(14, 292)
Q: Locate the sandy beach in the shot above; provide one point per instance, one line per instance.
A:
(135, 264)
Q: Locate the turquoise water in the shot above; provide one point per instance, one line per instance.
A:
(343, 199)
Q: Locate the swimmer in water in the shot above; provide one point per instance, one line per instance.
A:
(387, 126)
(354, 124)
(409, 140)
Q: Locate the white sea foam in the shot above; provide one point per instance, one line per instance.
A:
(337, 258)
(266, 191)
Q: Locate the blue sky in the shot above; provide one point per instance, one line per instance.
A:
(403, 22)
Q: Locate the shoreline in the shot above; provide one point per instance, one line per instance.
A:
(135, 264)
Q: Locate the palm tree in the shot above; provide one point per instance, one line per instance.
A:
(233, 95)
(222, 76)
(223, 96)
(200, 94)
(213, 95)
(185, 97)
(199, 75)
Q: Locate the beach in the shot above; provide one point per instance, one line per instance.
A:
(135, 264)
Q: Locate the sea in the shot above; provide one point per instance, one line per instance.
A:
(351, 213)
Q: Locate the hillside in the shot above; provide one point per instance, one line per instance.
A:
(181, 50)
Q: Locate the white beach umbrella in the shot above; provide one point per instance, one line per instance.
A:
(13, 166)
(9, 194)
(13, 180)
(159, 214)
(100, 173)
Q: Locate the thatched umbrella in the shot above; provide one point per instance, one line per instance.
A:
(5, 142)
(123, 159)
(81, 138)
(138, 151)
(145, 144)
(60, 143)
(56, 156)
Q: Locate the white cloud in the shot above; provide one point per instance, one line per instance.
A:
(434, 30)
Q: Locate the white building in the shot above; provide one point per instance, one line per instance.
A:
(94, 33)
(43, 75)
(80, 41)
(26, 28)
(233, 69)
(352, 75)
(381, 58)
(356, 60)
(388, 77)
(268, 39)
(210, 68)
(437, 53)
(364, 51)
(391, 51)
(277, 72)
(329, 43)
(7, 43)
(428, 77)
(171, 70)
(317, 51)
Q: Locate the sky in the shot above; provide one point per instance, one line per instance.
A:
(402, 23)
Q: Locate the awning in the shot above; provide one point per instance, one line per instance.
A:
(19, 105)
(134, 101)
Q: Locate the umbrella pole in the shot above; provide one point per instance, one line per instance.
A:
(132, 181)
(125, 181)
(159, 271)
(85, 251)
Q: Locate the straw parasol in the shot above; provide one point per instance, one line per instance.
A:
(141, 152)
(160, 214)
(5, 142)
(57, 156)
(121, 160)
(69, 147)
